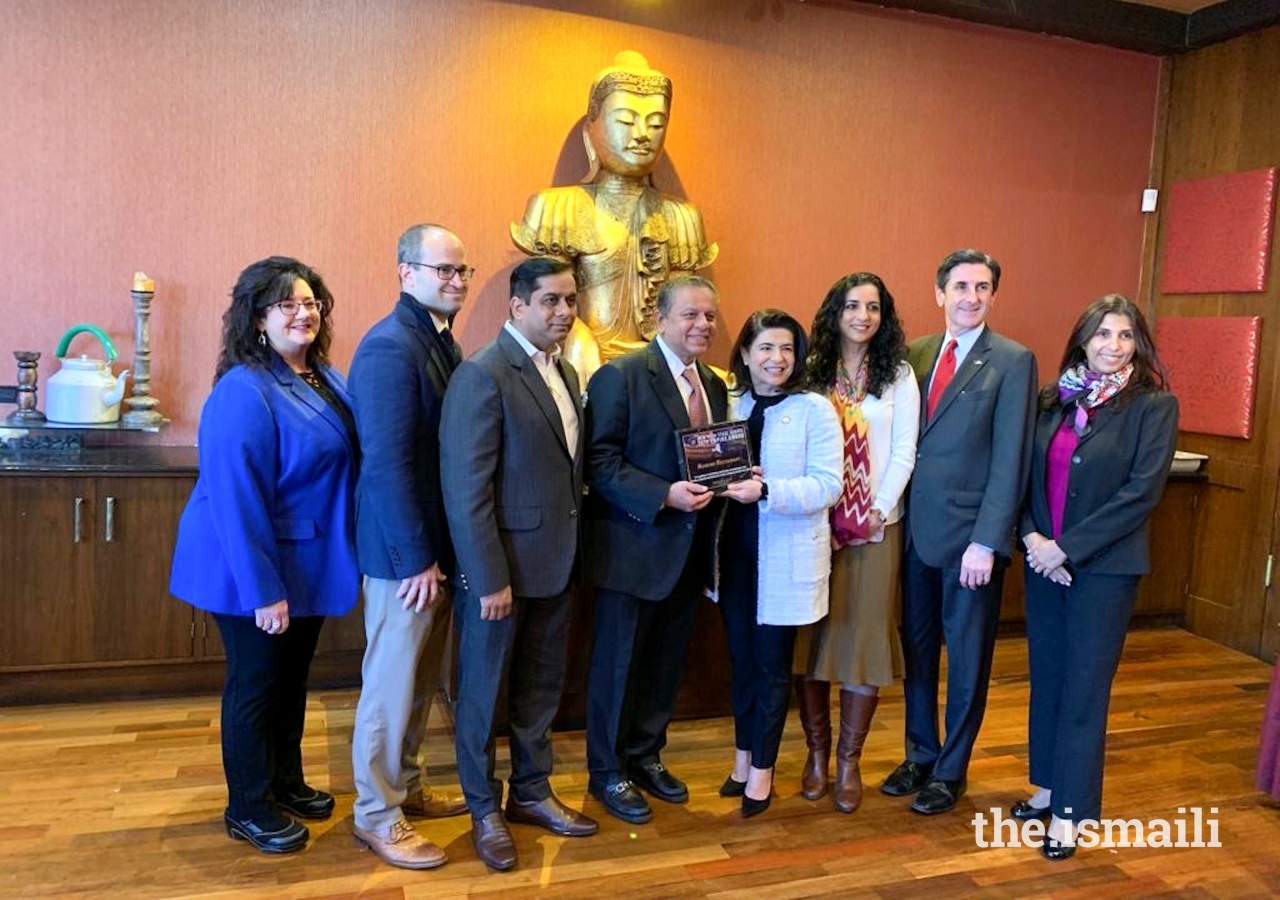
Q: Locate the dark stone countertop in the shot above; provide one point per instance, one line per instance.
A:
(120, 460)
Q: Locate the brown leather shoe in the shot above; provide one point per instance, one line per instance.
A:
(401, 846)
(552, 815)
(493, 841)
(427, 804)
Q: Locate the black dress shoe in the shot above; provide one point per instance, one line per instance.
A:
(732, 787)
(622, 800)
(275, 836)
(752, 807)
(938, 796)
(654, 778)
(907, 779)
(1057, 851)
(306, 803)
(1025, 812)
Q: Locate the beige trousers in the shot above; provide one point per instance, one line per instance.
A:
(400, 675)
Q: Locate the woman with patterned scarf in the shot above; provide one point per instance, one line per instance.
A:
(857, 360)
(1104, 439)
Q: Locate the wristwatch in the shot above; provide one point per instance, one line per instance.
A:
(764, 490)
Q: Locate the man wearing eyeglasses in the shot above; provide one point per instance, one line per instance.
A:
(398, 380)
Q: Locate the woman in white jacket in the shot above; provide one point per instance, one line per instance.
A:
(857, 360)
(775, 542)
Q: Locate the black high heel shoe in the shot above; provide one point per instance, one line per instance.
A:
(1023, 811)
(1055, 850)
(732, 787)
(283, 836)
(752, 807)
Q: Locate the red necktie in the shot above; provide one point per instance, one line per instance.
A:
(942, 377)
(698, 409)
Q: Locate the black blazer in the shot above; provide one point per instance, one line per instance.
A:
(972, 456)
(398, 378)
(512, 489)
(1118, 473)
(635, 545)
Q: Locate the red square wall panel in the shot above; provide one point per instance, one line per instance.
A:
(1219, 234)
(1212, 364)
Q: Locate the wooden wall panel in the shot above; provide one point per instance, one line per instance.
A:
(1224, 116)
(189, 138)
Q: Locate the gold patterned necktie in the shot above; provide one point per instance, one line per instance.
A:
(697, 409)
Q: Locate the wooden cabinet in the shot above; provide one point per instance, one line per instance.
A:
(84, 577)
(85, 609)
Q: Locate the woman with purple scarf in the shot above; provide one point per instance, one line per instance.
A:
(1104, 438)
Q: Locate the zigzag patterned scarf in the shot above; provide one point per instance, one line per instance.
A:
(850, 517)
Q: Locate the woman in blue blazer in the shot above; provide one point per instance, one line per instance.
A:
(1104, 440)
(265, 543)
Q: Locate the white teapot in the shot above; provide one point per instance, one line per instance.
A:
(83, 391)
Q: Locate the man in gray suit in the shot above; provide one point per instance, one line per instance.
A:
(966, 491)
(511, 459)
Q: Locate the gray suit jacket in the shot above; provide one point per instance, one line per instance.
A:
(973, 456)
(512, 491)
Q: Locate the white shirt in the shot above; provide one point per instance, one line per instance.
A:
(677, 366)
(545, 363)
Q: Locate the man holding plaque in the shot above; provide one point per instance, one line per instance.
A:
(650, 548)
(512, 476)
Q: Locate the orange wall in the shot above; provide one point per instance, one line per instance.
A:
(191, 138)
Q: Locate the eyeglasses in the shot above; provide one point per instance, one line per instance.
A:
(290, 307)
(446, 272)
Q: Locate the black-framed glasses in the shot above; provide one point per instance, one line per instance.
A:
(291, 307)
(446, 272)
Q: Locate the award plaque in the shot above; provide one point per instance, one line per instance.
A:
(715, 455)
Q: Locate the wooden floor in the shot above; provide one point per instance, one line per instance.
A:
(125, 800)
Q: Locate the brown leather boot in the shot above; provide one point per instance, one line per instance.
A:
(856, 711)
(815, 719)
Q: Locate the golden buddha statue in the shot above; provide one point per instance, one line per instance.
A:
(622, 235)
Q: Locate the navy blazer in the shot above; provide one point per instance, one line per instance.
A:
(512, 489)
(636, 545)
(398, 378)
(1118, 473)
(271, 516)
(972, 457)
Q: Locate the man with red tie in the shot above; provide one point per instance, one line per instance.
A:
(971, 471)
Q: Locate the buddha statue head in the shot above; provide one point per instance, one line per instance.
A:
(626, 123)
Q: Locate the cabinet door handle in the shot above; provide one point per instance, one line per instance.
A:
(75, 538)
(111, 519)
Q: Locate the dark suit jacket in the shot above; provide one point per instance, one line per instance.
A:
(1118, 472)
(398, 379)
(635, 545)
(271, 515)
(973, 455)
(511, 489)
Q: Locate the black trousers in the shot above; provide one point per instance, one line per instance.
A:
(1075, 636)
(530, 647)
(936, 607)
(264, 703)
(760, 681)
(638, 654)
